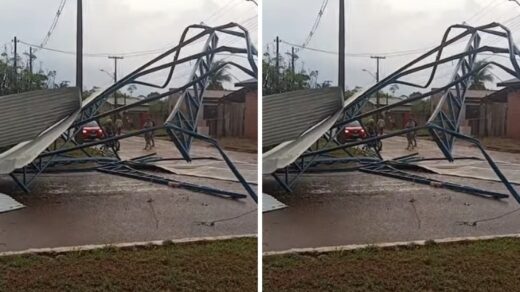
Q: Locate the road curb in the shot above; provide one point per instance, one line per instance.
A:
(123, 245)
(326, 249)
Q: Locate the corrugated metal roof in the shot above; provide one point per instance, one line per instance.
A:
(288, 115)
(25, 115)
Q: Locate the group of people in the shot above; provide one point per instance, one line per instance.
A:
(112, 129)
(377, 129)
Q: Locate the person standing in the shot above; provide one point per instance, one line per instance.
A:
(119, 126)
(148, 134)
(410, 136)
(380, 126)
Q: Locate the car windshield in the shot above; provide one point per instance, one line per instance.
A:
(91, 124)
(353, 124)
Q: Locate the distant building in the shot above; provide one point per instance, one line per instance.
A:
(227, 113)
(470, 114)
(133, 118)
(500, 111)
(400, 114)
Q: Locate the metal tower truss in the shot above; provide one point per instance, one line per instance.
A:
(181, 125)
(443, 124)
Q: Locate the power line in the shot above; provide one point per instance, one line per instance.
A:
(388, 54)
(54, 23)
(316, 23)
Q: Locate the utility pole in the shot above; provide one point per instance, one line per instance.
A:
(79, 45)
(377, 81)
(277, 63)
(292, 59)
(30, 60)
(116, 105)
(15, 63)
(341, 51)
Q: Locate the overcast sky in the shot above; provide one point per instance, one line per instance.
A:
(377, 27)
(114, 27)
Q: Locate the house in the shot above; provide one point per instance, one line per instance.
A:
(228, 113)
(500, 111)
(133, 118)
(400, 114)
(238, 111)
(210, 101)
(470, 114)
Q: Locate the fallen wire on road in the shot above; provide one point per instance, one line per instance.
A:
(212, 223)
(474, 223)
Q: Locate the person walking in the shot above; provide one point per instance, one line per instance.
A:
(152, 134)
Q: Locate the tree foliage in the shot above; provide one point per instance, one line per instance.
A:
(482, 76)
(220, 76)
(285, 80)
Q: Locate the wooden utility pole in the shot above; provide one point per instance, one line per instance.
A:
(15, 65)
(30, 60)
(377, 81)
(277, 63)
(341, 51)
(115, 77)
(79, 45)
(292, 59)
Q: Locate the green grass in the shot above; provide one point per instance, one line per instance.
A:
(469, 266)
(229, 265)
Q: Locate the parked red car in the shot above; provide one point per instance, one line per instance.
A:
(352, 131)
(91, 131)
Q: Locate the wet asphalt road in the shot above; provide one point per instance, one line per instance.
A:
(94, 208)
(357, 208)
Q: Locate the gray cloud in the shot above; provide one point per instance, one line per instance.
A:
(114, 26)
(375, 26)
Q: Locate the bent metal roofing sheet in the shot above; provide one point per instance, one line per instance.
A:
(288, 115)
(26, 115)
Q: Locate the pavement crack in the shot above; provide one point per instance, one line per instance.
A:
(212, 223)
(412, 201)
(150, 202)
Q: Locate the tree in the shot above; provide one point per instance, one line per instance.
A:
(286, 79)
(218, 77)
(483, 75)
(351, 92)
(394, 88)
(131, 88)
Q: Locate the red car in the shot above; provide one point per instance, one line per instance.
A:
(91, 131)
(352, 131)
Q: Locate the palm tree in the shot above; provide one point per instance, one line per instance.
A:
(394, 88)
(131, 88)
(219, 76)
(480, 78)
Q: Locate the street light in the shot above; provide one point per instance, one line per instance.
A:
(371, 74)
(108, 73)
